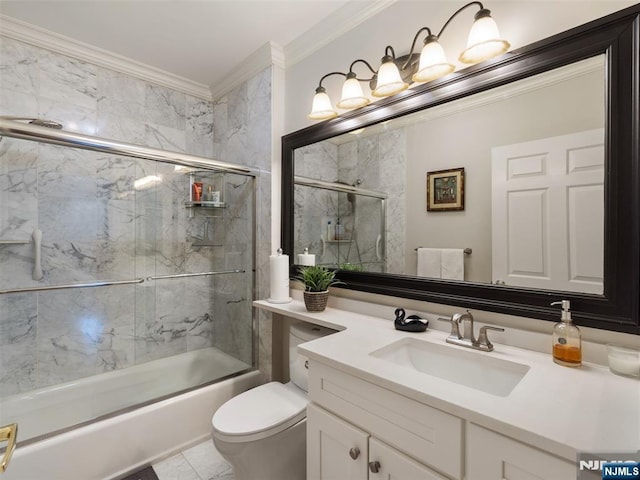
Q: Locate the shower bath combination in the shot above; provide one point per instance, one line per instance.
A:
(363, 234)
(116, 302)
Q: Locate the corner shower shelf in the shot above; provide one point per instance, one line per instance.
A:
(208, 210)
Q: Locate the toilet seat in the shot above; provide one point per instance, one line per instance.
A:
(260, 412)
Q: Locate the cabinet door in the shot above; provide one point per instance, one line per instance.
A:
(336, 450)
(386, 463)
(491, 456)
(429, 435)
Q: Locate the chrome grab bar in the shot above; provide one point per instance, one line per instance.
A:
(73, 285)
(37, 254)
(184, 275)
(114, 282)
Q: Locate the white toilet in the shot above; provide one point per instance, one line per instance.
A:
(262, 432)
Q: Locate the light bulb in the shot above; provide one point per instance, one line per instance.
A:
(352, 96)
(433, 62)
(389, 81)
(484, 40)
(321, 108)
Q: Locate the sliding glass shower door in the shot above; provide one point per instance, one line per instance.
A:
(117, 287)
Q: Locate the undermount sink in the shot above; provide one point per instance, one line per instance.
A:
(472, 369)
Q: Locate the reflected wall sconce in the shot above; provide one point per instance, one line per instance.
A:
(394, 74)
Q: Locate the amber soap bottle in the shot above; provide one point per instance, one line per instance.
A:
(567, 341)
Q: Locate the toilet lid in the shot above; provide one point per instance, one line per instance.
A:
(260, 412)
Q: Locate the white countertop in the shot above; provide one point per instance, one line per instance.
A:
(558, 409)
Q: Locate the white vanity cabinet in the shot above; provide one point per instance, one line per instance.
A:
(395, 409)
(407, 439)
(491, 455)
(358, 430)
(337, 450)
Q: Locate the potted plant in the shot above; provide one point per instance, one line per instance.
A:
(316, 280)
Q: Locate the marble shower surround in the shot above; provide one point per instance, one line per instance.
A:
(320, 161)
(348, 162)
(242, 135)
(58, 336)
(40, 178)
(380, 162)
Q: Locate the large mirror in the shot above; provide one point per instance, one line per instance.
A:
(502, 187)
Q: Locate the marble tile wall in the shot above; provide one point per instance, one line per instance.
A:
(98, 225)
(358, 161)
(378, 162)
(242, 135)
(318, 161)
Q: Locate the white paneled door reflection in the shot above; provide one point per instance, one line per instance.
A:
(548, 213)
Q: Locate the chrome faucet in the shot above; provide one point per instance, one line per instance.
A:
(467, 337)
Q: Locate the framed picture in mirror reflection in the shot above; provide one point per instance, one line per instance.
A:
(445, 190)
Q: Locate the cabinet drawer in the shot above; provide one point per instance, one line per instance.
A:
(429, 435)
(491, 455)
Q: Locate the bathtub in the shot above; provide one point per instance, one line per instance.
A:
(119, 444)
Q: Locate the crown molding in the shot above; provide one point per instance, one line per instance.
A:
(333, 26)
(269, 54)
(327, 30)
(43, 38)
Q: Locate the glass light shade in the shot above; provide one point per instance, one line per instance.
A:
(352, 96)
(321, 108)
(389, 80)
(433, 63)
(484, 41)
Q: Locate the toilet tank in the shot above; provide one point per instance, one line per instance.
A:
(300, 333)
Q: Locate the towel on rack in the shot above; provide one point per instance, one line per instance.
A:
(452, 263)
(429, 260)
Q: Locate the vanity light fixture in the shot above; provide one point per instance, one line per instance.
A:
(392, 76)
(389, 81)
(352, 95)
(322, 108)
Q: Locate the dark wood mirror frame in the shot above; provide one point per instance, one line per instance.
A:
(618, 37)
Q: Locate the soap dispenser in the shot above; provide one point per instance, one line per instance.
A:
(567, 342)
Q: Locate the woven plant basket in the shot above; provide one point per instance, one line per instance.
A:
(316, 301)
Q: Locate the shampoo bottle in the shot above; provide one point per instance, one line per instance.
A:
(331, 233)
(567, 342)
(339, 232)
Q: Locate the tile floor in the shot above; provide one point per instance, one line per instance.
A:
(202, 462)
